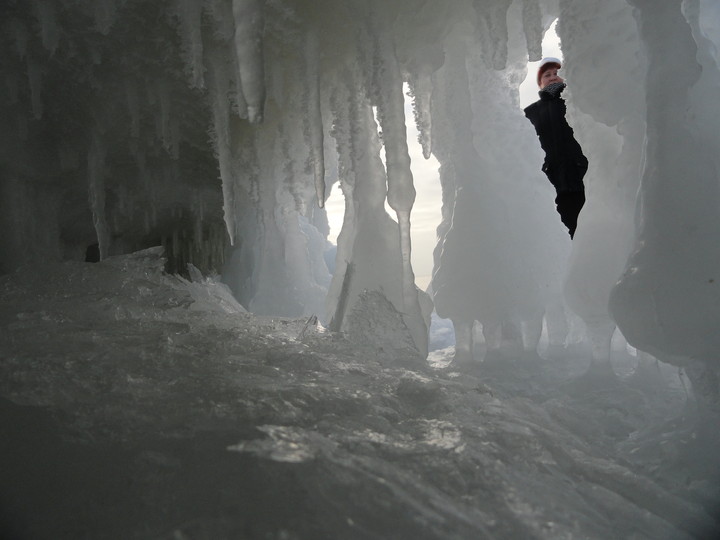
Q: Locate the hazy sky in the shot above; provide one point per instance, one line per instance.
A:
(426, 212)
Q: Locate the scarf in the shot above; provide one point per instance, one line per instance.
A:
(552, 91)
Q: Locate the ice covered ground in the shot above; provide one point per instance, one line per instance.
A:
(135, 404)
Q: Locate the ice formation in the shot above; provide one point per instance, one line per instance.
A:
(215, 128)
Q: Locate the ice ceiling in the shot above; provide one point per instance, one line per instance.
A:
(215, 128)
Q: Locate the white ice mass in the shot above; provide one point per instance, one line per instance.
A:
(183, 353)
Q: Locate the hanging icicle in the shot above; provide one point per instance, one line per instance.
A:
(249, 32)
(314, 115)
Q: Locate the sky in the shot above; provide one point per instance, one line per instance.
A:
(426, 213)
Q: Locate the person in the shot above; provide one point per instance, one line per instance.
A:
(565, 164)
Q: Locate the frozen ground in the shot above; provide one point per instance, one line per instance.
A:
(139, 405)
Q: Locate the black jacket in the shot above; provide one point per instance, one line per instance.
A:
(565, 164)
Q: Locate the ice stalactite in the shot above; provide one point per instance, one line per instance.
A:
(493, 31)
(420, 85)
(189, 13)
(667, 302)
(219, 88)
(249, 31)
(314, 115)
(532, 28)
(96, 191)
(401, 190)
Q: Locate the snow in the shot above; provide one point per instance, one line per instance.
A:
(137, 404)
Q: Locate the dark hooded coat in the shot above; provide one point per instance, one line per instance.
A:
(565, 164)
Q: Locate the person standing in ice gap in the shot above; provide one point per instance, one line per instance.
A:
(565, 164)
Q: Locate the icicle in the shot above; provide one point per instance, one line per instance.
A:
(532, 26)
(315, 116)
(219, 88)
(190, 15)
(96, 192)
(49, 31)
(249, 30)
(35, 79)
(401, 191)
(493, 30)
(239, 105)
(391, 113)
(420, 90)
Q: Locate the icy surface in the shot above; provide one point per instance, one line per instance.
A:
(136, 406)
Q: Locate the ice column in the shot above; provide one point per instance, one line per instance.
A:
(401, 191)
(368, 246)
(501, 249)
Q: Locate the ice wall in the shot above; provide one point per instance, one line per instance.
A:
(216, 128)
(667, 301)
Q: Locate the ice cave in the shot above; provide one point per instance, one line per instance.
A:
(186, 355)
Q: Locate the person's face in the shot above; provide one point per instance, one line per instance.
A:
(550, 76)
